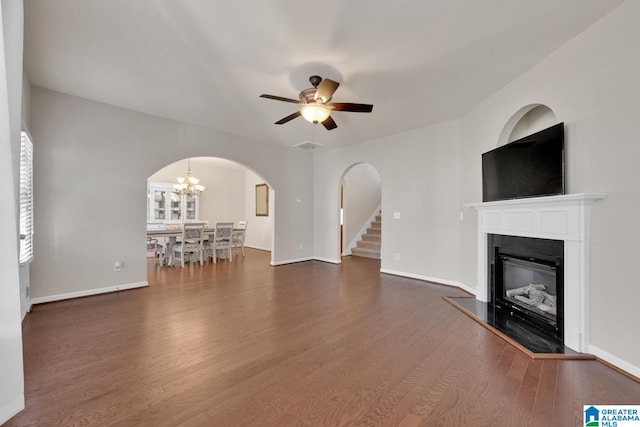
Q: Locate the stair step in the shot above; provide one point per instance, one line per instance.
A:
(369, 244)
(372, 237)
(366, 253)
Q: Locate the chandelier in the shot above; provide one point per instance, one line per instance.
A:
(188, 185)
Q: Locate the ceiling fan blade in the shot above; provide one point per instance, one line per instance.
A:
(355, 108)
(329, 123)
(325, 90)
(288, 118)
(280, 98)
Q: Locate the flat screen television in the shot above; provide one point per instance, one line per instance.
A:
(529, 167)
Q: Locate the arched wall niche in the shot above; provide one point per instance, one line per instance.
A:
(527, 120)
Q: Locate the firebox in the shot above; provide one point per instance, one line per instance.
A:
(527, 281)
(531, 289)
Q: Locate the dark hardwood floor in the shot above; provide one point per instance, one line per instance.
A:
(247, 344)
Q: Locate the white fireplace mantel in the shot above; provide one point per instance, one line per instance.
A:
(564, 217)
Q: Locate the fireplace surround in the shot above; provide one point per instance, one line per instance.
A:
(564, 218)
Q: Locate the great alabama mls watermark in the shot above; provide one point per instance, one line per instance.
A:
(611, 415)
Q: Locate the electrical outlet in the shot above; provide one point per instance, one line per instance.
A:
(397, 256)
(300, 246)
(117, 266)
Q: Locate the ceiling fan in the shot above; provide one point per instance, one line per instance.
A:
(315, 105)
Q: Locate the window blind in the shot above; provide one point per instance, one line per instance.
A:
(26, 198)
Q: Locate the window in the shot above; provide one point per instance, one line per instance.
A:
(26, 198)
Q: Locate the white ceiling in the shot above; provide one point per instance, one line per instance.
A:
(206, 62)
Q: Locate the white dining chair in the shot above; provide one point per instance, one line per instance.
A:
(238, 236)
(220, 247)
(155, 250)
(191, 243)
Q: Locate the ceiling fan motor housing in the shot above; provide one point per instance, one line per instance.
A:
(307, 95)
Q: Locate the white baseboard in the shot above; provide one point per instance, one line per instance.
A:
(291, 261)
(429, 279)
(616, 361)
(258, 248)
(9, 409)
(332, 261)
(89, 292)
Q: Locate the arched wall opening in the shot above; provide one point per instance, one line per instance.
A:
(229, 196)
(360, 199)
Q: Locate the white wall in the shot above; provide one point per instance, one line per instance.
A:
(11, 376)
(591, 84)
(361, 197)
(420, 180)
(92, 165)
(26, 99)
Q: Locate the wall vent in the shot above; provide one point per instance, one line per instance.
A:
(307, 145)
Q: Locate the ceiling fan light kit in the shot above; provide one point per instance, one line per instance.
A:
(315, 112)
(315, 105)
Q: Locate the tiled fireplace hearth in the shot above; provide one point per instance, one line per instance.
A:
(565, 218)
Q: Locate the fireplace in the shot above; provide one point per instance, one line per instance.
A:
(564, 219)
(527, 281)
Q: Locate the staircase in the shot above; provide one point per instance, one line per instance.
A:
(369, 246)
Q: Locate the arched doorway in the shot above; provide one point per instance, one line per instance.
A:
(360, 204)
(229, 196)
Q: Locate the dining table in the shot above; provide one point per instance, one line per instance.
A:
(171, 238)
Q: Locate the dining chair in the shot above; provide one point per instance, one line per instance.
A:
(159, 253)
(238, 236)
(222, 241)
(151, 246)
(191, 243)
(155, 250)
(162, 257)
